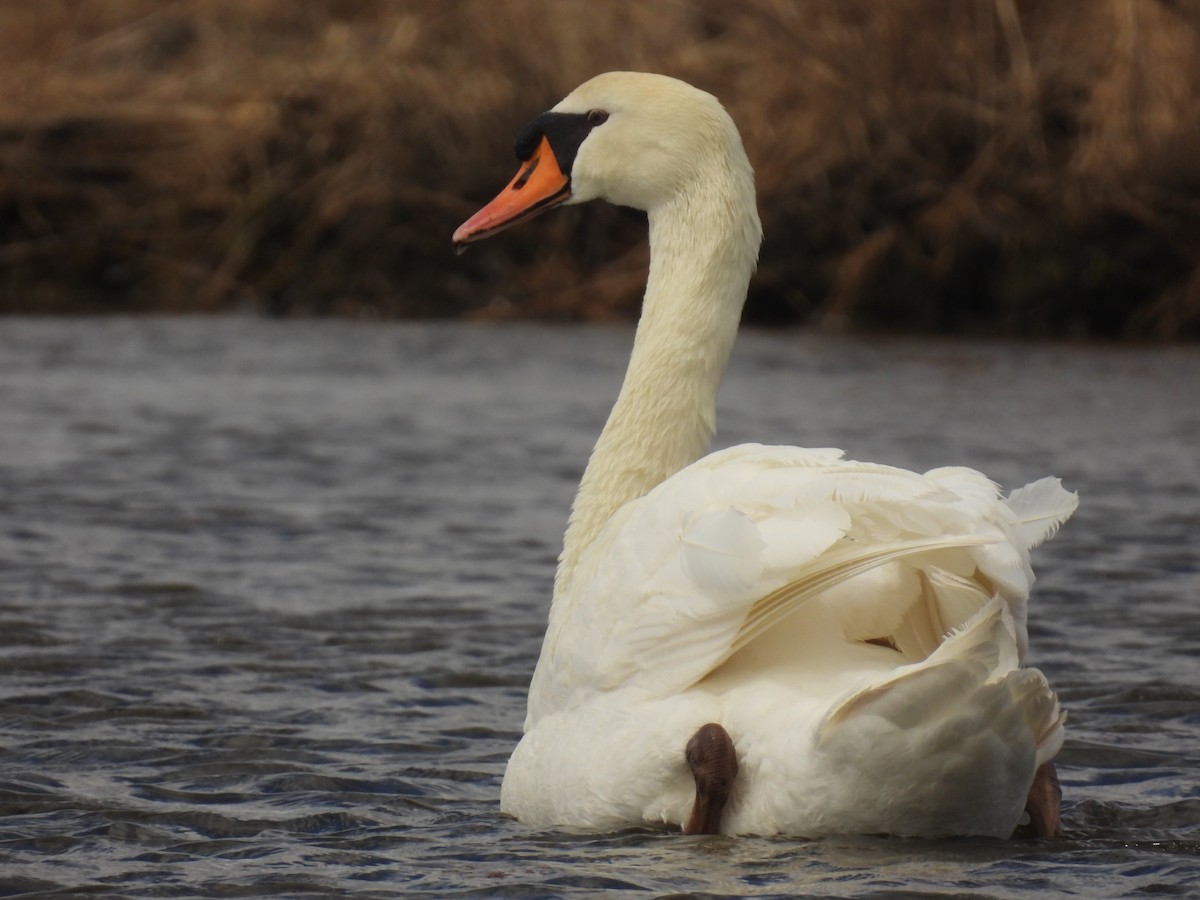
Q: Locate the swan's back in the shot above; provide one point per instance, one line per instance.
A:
(758, 557)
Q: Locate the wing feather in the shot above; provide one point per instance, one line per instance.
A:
(721, 553)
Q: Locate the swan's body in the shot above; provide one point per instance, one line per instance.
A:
(857, 630)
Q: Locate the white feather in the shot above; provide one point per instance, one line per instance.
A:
(1041, 508)
(722, 553)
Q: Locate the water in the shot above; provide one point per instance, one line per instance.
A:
(270, 594)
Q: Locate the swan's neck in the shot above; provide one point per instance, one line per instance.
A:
(703, 248)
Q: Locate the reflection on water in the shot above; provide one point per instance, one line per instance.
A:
(270, 594)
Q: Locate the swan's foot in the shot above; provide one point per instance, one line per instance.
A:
(713, 761)
(1045, 797)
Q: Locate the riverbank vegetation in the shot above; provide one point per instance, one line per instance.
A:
(985, 166)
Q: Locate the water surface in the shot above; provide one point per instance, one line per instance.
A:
(271, 593)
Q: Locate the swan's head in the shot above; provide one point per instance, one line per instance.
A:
(630, 138)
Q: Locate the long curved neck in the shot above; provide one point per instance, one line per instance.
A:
(703, 247)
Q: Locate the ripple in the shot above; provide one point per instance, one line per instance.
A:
(274, 593)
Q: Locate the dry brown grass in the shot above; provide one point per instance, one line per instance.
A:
(1029, 166)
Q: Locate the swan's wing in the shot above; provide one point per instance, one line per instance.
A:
(720, 554)
(970, 709)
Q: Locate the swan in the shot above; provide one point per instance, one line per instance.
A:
(766, 639)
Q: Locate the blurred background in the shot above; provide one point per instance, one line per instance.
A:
(1025, 167)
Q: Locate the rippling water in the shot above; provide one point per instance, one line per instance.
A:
(270, 595)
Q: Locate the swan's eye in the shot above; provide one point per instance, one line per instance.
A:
(597, 117)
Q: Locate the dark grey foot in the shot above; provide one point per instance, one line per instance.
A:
(711, 757)
(1045, 798)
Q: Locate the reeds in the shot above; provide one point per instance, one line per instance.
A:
(1025, 166)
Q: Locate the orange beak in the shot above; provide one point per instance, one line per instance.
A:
(539, 185)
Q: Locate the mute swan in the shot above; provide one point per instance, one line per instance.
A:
(766, 639)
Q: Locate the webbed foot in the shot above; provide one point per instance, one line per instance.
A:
(713, 761)
(1045, 798)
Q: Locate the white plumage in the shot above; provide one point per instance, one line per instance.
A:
(859, 630)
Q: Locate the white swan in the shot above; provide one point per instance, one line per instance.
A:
(767, 639)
